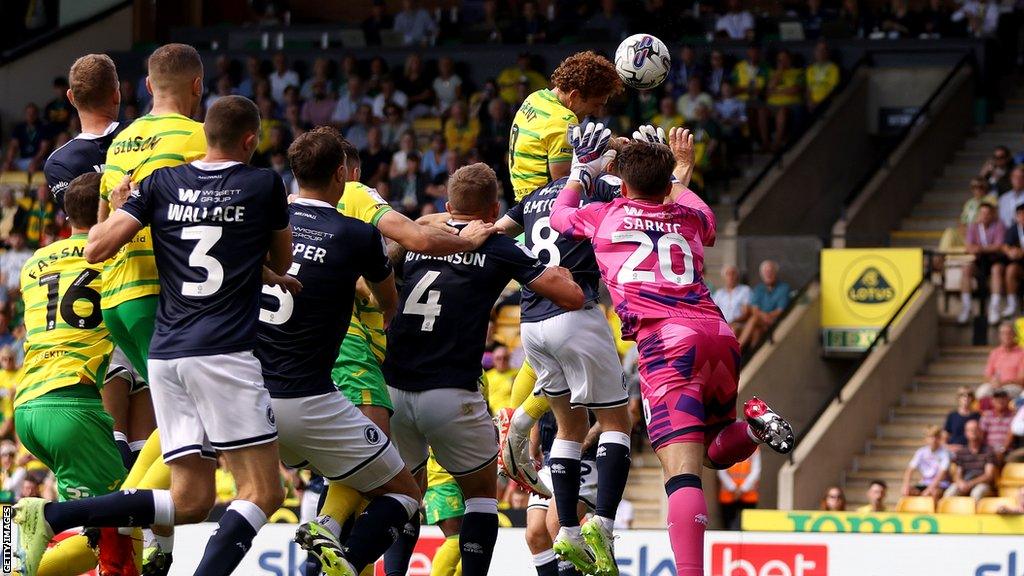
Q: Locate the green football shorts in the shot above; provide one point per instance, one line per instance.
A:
(357, 375)
(443, 501)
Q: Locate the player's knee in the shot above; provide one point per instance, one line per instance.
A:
(537, 537)
(194, 508)
(269, 498)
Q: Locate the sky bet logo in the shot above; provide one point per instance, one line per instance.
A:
(769, 560)
(1010, 568)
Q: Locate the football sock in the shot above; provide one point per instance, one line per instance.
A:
(149, 454)
(478, 535)
(342, 502)
(733, 444)
(545, 562)
(523, 385)
(126, 508)
(397, 557)
(377, 528)
(687, 521)
(564, 463)
(136, 448)
(567, 569)
(446, 559)
(232, 539)
(612, 474)
(536, 406)
(124, 448)
(69, 557)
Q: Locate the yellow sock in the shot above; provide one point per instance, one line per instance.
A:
(158, 477)
(447, 559)
(368, 571)
(149, 454)
(70, 557)
(535, 406)
(458, 568)
(342, 502)
(522, 386)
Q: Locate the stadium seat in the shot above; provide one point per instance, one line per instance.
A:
(957, 505)
(1013, 471)
(991, 505)
(917, 504)
(14, 178)
(1008, 490)
(426, 126)
(37, 179)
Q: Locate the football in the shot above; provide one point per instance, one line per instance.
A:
(642, 61)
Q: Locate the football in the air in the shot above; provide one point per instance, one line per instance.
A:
(643, 61)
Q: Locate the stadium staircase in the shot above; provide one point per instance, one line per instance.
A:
(926, 401)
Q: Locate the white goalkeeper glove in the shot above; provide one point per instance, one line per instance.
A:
(590, 153)
(648, 133)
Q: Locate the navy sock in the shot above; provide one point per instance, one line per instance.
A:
(127, 456)
(397, 557)
(567, 569)
(125, 508)
(374, 531)
(231, 540)
(612, 472)
(549, 568)
(478, 535)
(565, 483)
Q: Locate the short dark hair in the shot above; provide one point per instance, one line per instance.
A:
(880, 483)
(351, 153)
(82, 199)
(646, 168)
(229, 120)
(315, 157)
(473, 188)
(172, 66)
(93, 81)
(988, 205)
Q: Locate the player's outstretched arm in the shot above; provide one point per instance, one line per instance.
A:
(680, 140)
(387, 297)
(106, 238)
(428, 240)
(556, 284)
(279, 257)
(508, 226)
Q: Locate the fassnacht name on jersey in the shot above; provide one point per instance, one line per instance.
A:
(462, 258)
(43, 263)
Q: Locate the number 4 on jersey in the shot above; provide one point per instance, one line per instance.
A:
(429, 309)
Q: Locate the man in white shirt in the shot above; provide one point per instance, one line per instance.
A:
(415, 24)
(736, 22)
(1009, 200)
(281, 78)
(733, 298)
(388, 95)
(349, 103)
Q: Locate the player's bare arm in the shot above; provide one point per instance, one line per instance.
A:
(386, 295)
(680, 140)
(559, 169)
(508, 226)
(556, 284)
(428, 239)
(106, 238)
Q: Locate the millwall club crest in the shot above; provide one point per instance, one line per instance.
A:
(372, 434)
(270, 416)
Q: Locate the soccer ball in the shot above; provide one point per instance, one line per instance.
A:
(642, 61)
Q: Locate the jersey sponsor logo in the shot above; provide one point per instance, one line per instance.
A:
(871, 287)
(749, 559)
(188, 195)
(372, 434)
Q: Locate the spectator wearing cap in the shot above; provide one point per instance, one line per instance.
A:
(736, 23)
(975, 469)
(447, 85)
(733, 298)
(995, 423)
(931, 463)
(282, 77)
(984, 240)
(876, 493)
(1005, 366)
(996, 170)
(29, 144)
(957, 419)
(415, 24)
(767, 303)
(511, 77)
(822, 76)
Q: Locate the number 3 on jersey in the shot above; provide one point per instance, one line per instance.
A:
(200, 257)
(645, 246)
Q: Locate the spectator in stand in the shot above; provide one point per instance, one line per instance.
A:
(608, 22)
(749, 77)
(814, 17)
(415, 24)
(417, 88)
(499, 380)
(996, 170)
(374, 159)
(953, 238)
(493, 140)
(319, 106)
(684, 68)
(388, 95)
(876, 497)
(510, 78)
(531, 27)
(1005, 366)
(349, 103)
(321, 74)
(29, 144)
(11, 474)
(406, 146)
(975, 470)
(695, 96)
(58, 112)
(641, 108)
(898, 21)
(1013, 253)
(490, 27)
(935, 19)
(733, 298)
(253, 74)
(1018, 504)
(984, 241)
(224, 88)
(785, 97)
(377, 20)
(393, 126)
(460, 131)
(276, 141)
(668, 115)
(408, 191)
(447, 85)
(995, 423)
(434, 158)
(981, 17)
(834, 500)
(738, 489)
(9, 376)
(706, 138)
(1017, 430)
(717, 74)
(822, 76)
(282, 77)
(347, 68)
(279, 164)
(767, 303)
(358, 131)
(731, 114)
(41, 211)
(12, 216)
(378, 70)
(294, 125)
(736, 24)
(6, 338)
(957, 419)
(931, 463)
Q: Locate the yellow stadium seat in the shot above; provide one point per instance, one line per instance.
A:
(1013, 471)
(993, 504)
(1008, 490)
(916, 504)
(38, 179)
(426, 125)
(14, 178)
(957, 505)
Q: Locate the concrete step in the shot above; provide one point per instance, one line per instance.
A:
(881, 443)
(933, 413)
(945, 398)
(1009, 119)
(956, 196)
(974, 351)
(919, 222)
(911, 242)
(970, 367)
(901, 430)
(950, 379)
(962, 170)
(881, 462)
(862, 478)
(953, 183)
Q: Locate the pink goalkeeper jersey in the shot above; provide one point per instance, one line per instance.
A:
(651, 255)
